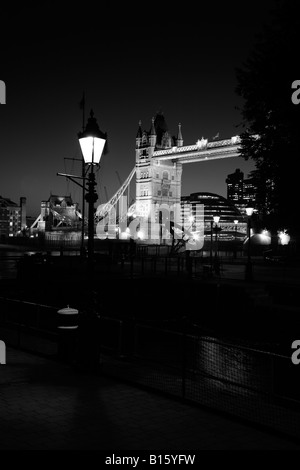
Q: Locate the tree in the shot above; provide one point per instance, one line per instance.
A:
(270, 120)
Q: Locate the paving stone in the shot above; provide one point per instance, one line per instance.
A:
(47, 405)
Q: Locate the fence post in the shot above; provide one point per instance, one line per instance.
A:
(135, 340)
(131, 267)
(142, 264)
(184, 328)
(272, 375)
(154, 264)
(37, 320)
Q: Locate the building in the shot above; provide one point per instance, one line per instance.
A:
(58, 213)
(12, 217)
(241, 191)
(233, 223)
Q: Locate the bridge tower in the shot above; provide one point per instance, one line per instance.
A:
(157, 182)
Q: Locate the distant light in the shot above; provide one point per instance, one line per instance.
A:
(249, 211)
(216, 219)
(201, 143)
(265, 237)
(236, 221)
(235, 139)
(284, 238)
(191, 218)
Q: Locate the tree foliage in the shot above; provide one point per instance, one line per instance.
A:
(271, 122)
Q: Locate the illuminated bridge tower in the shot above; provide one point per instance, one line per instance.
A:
(157, 182)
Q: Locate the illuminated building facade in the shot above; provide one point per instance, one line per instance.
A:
(214, 205)
(241, 191)
(12, 217)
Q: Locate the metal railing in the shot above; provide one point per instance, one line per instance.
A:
(177, 358)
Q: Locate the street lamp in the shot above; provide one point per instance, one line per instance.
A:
(216, 263)
(211, 244)
(92, 142)
(248, 272)
(216, 221)
(235, 237)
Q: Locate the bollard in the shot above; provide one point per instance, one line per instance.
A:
(67, 329)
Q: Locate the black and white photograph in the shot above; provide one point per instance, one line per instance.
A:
(149, 229)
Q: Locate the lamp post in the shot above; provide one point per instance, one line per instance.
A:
(249, 271)
(211, 244)
(216, 221)
(235, 237)
(216, 262)
(92, 142)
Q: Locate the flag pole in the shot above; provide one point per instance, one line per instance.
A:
(82, 248)
(83, 109)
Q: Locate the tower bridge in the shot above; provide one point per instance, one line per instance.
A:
(159, 160)
(158, 165)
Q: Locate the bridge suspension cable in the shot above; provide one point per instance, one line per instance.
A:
(104, 209)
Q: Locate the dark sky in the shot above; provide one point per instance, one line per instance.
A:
(131, 63)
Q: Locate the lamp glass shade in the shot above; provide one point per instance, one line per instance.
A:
(216, 219)
(249, 211)
(92, 149)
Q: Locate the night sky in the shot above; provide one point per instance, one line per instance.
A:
(131, 63)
